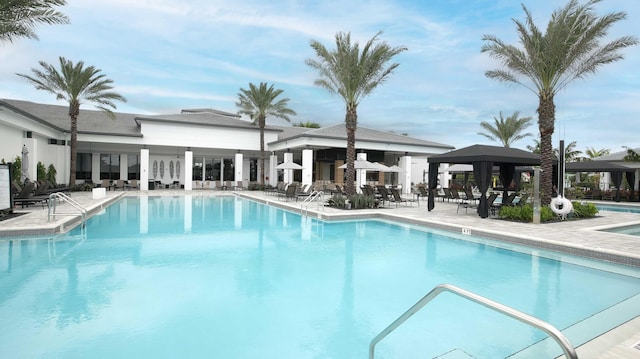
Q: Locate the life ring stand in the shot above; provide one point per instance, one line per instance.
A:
(561, 206)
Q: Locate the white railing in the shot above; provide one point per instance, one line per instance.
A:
(53, 202)
(569, 351)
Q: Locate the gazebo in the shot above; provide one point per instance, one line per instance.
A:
(483, 158)
(615, 169)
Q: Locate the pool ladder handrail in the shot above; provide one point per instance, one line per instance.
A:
(313, 196)
(53, 200)
(569, 350)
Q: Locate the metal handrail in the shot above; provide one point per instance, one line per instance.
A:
(313, 196)
(554, 333)
(59, 195)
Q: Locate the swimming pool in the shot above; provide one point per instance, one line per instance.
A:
(614, 208)
(223, 277)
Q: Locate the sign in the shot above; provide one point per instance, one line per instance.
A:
(5, 187)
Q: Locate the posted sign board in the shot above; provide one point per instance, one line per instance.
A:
(5, 187)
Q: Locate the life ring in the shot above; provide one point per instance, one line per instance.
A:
(561, 206)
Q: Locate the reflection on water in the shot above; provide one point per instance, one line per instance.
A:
(192, 275)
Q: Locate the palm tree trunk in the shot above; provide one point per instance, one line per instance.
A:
(546, 120)
(351, 122)
(74, 111)
(261, 122)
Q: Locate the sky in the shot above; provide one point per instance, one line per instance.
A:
(169, 55)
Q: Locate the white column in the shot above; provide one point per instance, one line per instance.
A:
(144, 169)
(288, 174)
(124, 166)
(307, 163)
(361, 175)
(273, 172)
(405, 175)
(95, 168)
(188, 170)
(238, 165)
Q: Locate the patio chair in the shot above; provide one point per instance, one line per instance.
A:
(522, 200)
(447, 195)
(384, 194)
(290, 192)
(106, 184)
(26, 196)
(118, 184)
(133, 184)
(397, 198)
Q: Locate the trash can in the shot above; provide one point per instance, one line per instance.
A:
(152, 185)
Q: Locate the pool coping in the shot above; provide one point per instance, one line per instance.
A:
(603, 254)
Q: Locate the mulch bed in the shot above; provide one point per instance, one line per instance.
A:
(4, 215)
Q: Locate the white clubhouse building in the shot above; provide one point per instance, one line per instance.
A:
(201, 148)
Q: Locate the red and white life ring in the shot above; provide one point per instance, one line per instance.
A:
(561, 206)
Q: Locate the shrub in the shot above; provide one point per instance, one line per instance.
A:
(41, 171)
(51, 174)
(357, 201)
(525, 213)
(16, 169)
(584, 210)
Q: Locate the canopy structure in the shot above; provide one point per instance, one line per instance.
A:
(615, 169)
(483, 158)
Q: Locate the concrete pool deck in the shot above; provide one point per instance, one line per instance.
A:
(583, 238)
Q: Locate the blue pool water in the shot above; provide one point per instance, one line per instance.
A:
(613, 208)
(222, 277)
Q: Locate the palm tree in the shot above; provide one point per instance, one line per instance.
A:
(18, 18)
(536, 146)
(632, 155)
(352, 75)
(507, 131)
(570, 152)
(547, 62)
(593, 153)
(307, 124)
(76, 84)
(260, 102)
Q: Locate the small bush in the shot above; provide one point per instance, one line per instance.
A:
(357, 201)
(41, 171)
(51, 174)
(584, 210)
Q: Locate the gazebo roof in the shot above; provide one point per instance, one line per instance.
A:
(596, 166)
(484, 153)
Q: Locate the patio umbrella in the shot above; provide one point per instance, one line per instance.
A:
(24, 175)
(382, 167)
(289, 166)
(362, 165)
(395, 168)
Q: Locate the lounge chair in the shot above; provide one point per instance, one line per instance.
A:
(290, 192)
(26, 197)
(491, 203)
(447, 195)
(455, 195)
(384, 194)
(397, 198)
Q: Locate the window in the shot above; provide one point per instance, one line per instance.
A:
(83, 166)
(228, 170)
(134, 167)
(197, 169)
(253, 170)
(109, 167)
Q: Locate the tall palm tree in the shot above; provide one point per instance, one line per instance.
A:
(632, 155)
(571, 154)
(352, 75)
(593, 153)
(260, 102)
(506, 131)
(76, 84)
(18, 18)
(547, 62)
(307, 124)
